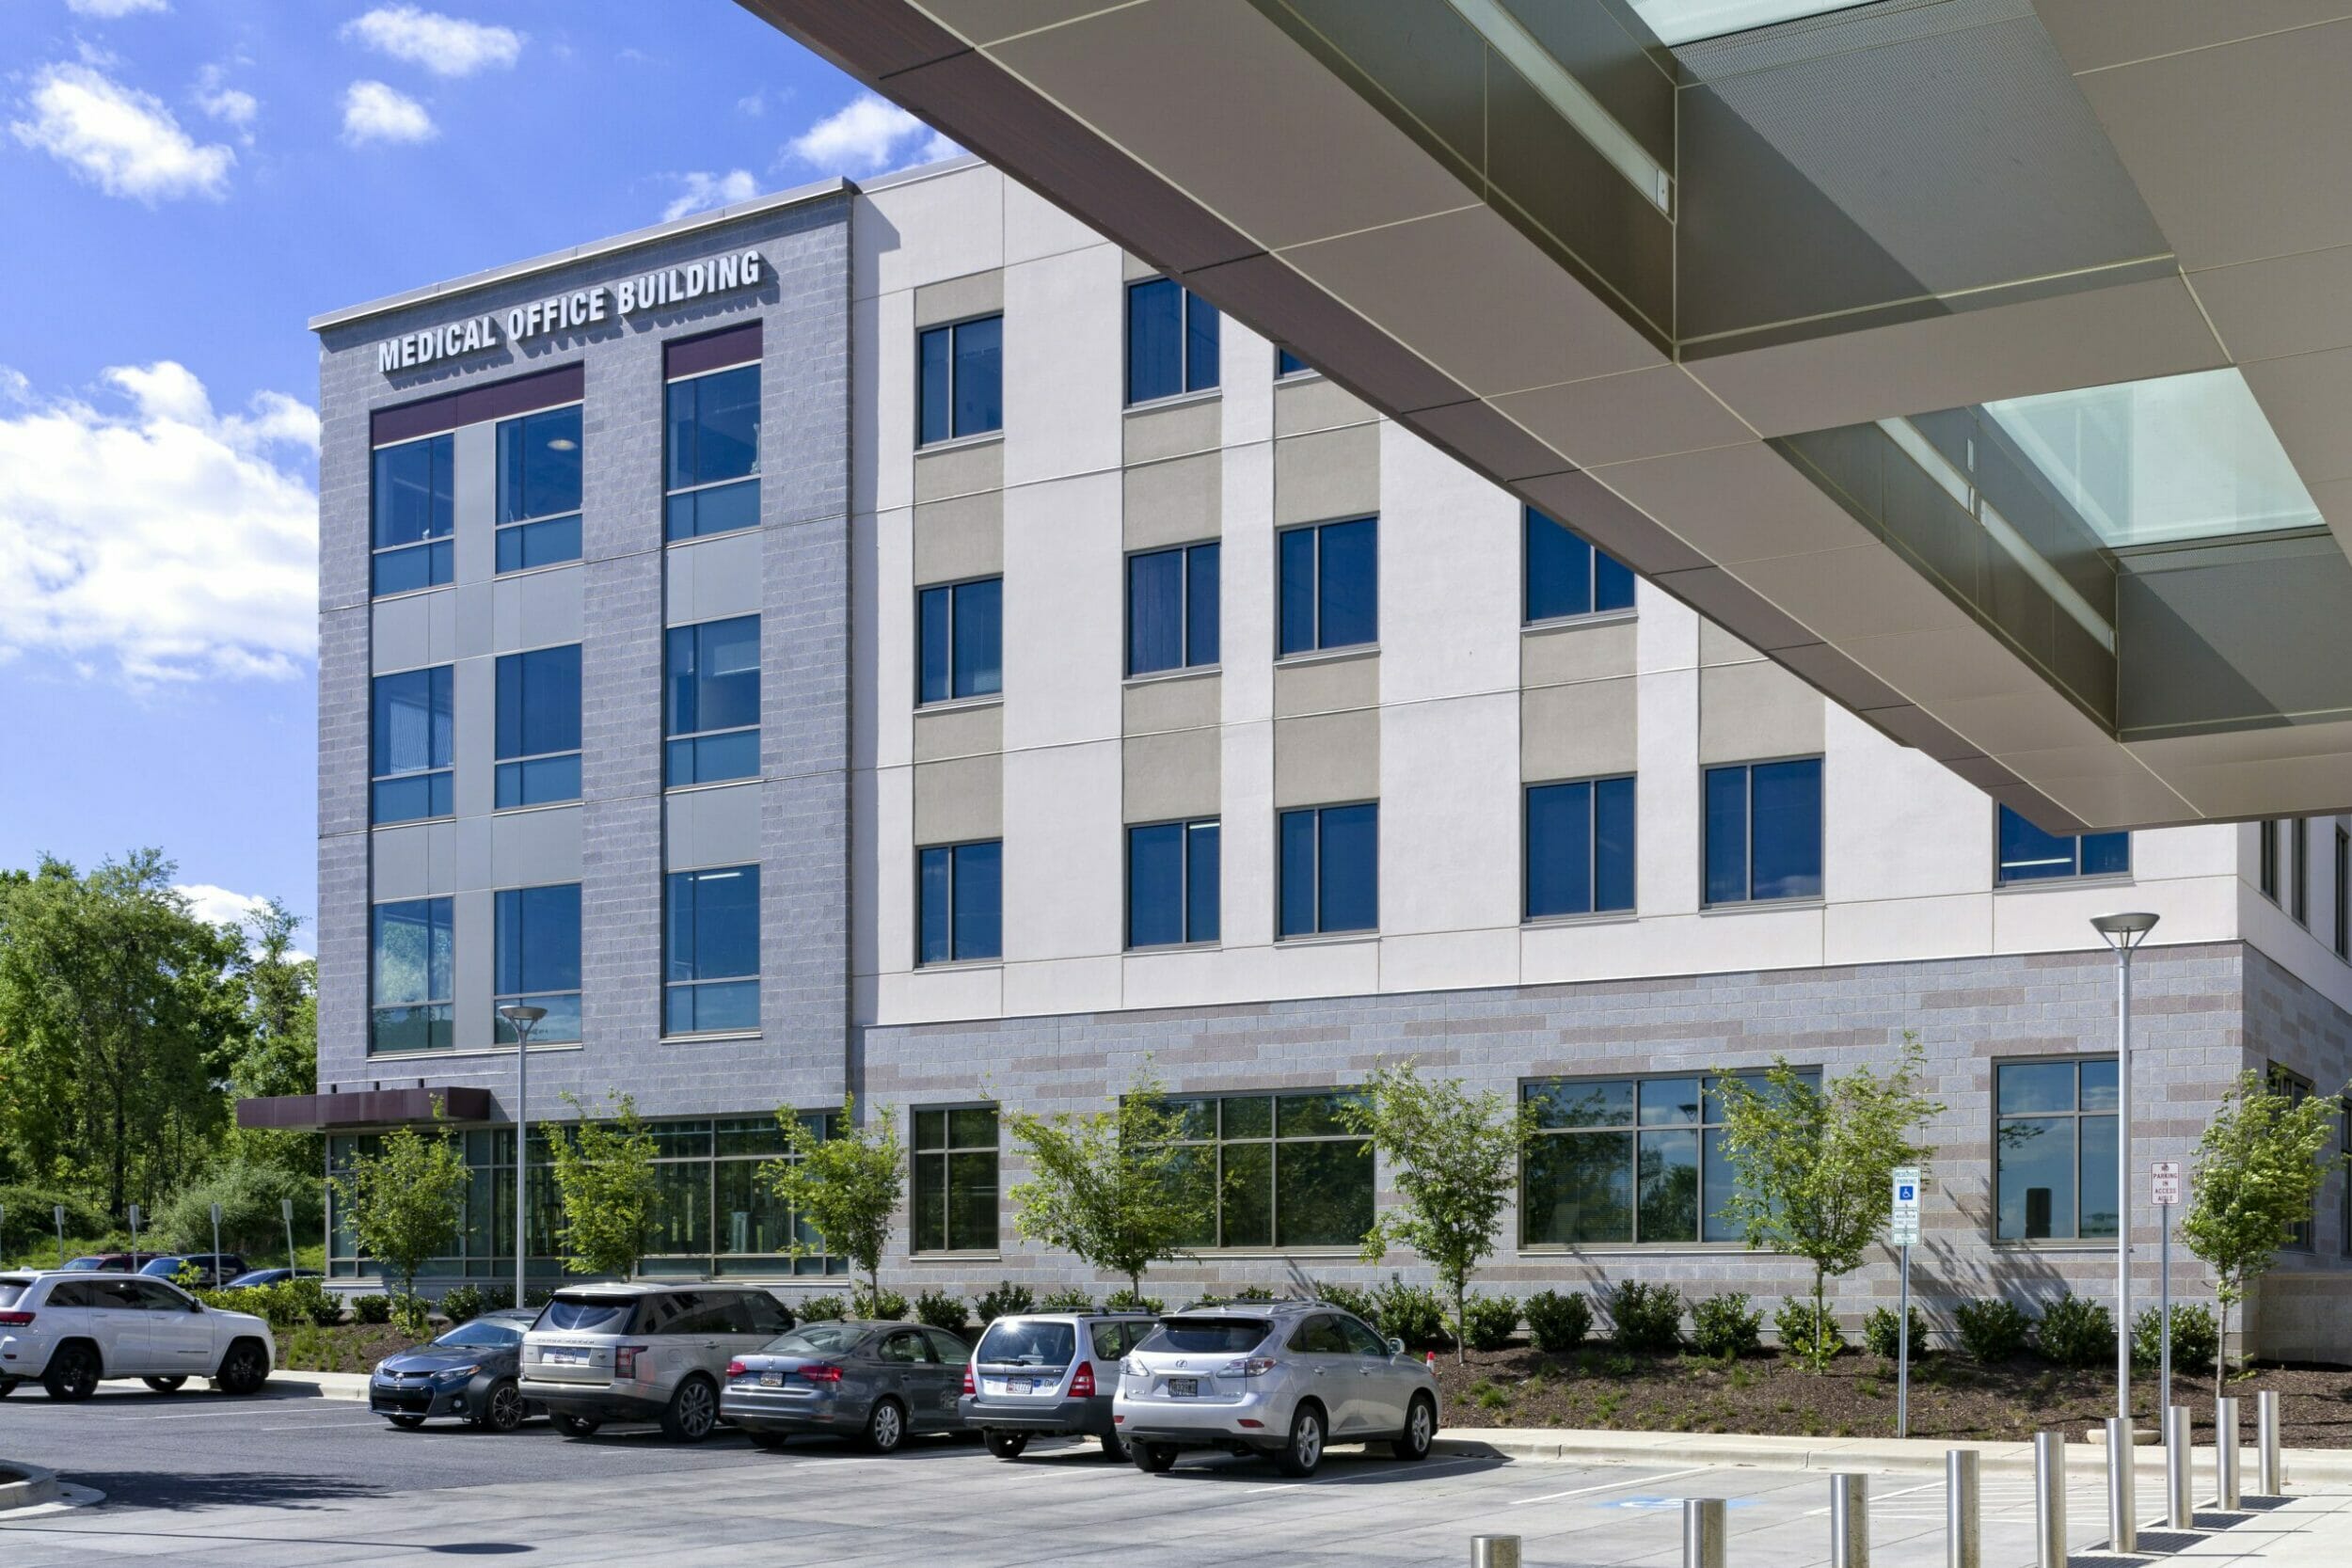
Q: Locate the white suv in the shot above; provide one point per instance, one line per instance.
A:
(69, 1329)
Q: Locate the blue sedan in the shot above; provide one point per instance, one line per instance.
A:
(468, 1372)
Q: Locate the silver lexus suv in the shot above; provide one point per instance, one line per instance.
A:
(1282, 1379)
(642, 1352)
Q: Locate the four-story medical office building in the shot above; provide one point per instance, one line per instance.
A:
(892, 642)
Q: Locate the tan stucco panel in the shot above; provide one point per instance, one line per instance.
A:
(1587, 730)
(1749, 711)
(1178, 502)
(1327, 757)
(958, 800)
(1171, 775)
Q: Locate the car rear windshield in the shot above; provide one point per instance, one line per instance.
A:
(1207, 1336)
(1010, 1343)
(815, 1339)
(12, 1291)
(587, 1314)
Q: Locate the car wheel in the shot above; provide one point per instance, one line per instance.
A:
(1114, 1448)
(885, 1427)
(771, 1441)
(164, 1385)
(1420, 1428)
(72, 1373)
(1304, 1451)
(406, 1423)
(1005, 1444)
(693, 1410)
(574, 1426)
(243, 1370)
(1151, 1458)
(504, 1411)
(8, 1387)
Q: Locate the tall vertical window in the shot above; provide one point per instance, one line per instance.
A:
(1287, 363)
(2299, 870)
(409, 746)
(2344, 929)
(538, 513)
(411, 982)
(1580, 847)
(959, 902)
(2303, 1234)
(1330, 869)
(713, 477)
(2054, 1149)
(1172, 613)
(1172, 340)
(959, 636)
(955, 1180)
(1562, 576)
(538, 727)
(416, 515)
(2031, 855)
(711, 706)
(1764, 832)
(1330, 589)
(2267, 849)
(959, 380)
(712, 965)
(1172, 884)
(537, 960)
(1288, 1170)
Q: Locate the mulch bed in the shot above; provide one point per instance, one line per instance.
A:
(344, 1348)
(1951, 1397)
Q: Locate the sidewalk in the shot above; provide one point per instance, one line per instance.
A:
(320, 1386)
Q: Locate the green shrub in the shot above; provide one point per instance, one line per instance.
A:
(30, 1224)
(883, 1306)
(2194, 1339)
(1648, 1318)
(248, 1192)
(377, 1308)
(1351, 1298)
(1558, 1323)
(311, 1302)
(1411, 1313)
(825, 1308)
(1816, 1345)
(462, 1302)
(1253, 1292)
(1993, 1330)
(1130, 1301)
(2074, 1332)
(1880, 1334)
(1069, 1298)
(1492, 1320)
(1726, 1327)
(1008, 1300)
(942, 1310)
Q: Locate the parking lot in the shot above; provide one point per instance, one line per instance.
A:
(292, 1479)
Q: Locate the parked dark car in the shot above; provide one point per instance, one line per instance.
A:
(469, 1372)
(112, 1262)
(255, 1278)
(875, 1383)
(213, 1269)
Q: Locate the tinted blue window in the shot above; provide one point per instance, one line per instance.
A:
(1298, 591)
(1173, 882)
(1202, 347)
(2028, 854)
(960, 379)
(1204, 614)
(1155, 348)
(961, 633)
(712, 957)
(535, 959)
(411, 745)
(412, 964)
(539, 466)
(545, 543)
(1580, 847)
(713, 441)
(711, 704)
(1330, 586)
(1287, 363)
(1727, 835)
(1612, 844)
(1330, 869)
(1172, 610)
(538, 717)
(415, 513)
(1204, 880)
(1567, 577)
(1764, 832)
(960, 895)
(934, 380)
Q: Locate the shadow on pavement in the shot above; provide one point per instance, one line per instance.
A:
(175, 1490)
(1339, 1468)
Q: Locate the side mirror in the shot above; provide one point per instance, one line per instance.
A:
(1396, 1347)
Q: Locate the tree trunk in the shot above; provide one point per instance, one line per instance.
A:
(2220, 1357)
(1461, 1322)
(1820, 1309)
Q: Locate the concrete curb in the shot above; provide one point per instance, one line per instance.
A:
(325, 1386)
(37, 1486)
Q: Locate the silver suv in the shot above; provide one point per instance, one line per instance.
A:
(1049, 1374)
(642, 1352)
(1282, 1378)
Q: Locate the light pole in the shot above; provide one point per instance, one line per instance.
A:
(2123, 932)
(522, 1018)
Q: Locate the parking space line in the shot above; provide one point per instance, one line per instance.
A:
(1610, 1486)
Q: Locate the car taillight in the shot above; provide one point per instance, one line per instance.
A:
(1255, 1366)
(821, 1371)
(967, 1380)
(1082, 1382)
(625, 1360)
(737, 1369)
(16, 1320)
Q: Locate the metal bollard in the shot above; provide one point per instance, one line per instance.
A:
(2180, 1510)
(1494, 1551)
(1702, 1532)
(2122, 1488)
(2049, 1500)
(2268, 1481)
(2225, 1478)
(1849, 1521)
(1963, 1516)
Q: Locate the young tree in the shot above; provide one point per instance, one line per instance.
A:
(847, 1185)
(1455, 1158)
(402, 1200)
(278, 1052)
(604, 1174)
(1115, 1187)
(1813, 1167)
(2259, 1167)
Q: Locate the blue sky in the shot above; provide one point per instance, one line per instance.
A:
(184, 183)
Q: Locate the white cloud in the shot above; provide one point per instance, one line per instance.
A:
(705, 191)
(444, 45)
(122, 140)
(373, 112)
(110, 10)
(755, 105)
(154, 534)
(231, 106)
(218, 906)
(868, 134)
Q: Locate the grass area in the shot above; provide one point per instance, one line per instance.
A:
(45, 1256)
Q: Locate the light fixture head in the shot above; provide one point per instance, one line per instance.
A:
(522, 1014)
(2125, 932)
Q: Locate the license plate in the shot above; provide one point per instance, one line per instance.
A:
(1183, 1387)
(565, 1358)
(771, 1380)
(1020, 1385)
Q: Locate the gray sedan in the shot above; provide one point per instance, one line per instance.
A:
(878, 1382)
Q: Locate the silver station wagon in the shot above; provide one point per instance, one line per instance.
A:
(642, 1352)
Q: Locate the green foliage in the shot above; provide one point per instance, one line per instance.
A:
(846, 1186)
(1558, 1322)
(1412, 1313)
(1069, 1298)
(1453, 1157)
(1647, 1318)
(1726, 1327)
(1007, 1300)
(1251, 1292)
(30, 1224)
(825, 1308)
(2075, 1332)
(1489, 1321)
(2196, 1338)
(604, 1174)
(1993, 1330)
(285, 1305)
(249, 1192)
(402, 1199)
(876, 1303)
(942, 1310)
(1883, 1338)
(1808, 1333)
(1812, 1167)
(462, 1302)
(1114, 1187)
(1350, 1298)
(2259, 1167)
(375, 1309)
(1133, 1301)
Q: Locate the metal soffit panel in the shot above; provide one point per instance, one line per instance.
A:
(1153, 121)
